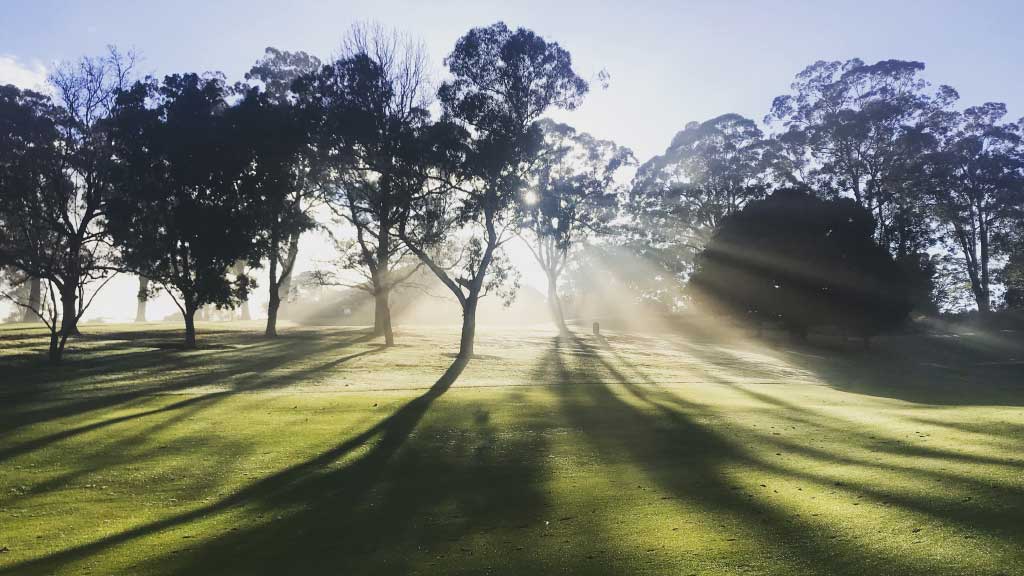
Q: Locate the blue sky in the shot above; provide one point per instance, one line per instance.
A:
(670, 62)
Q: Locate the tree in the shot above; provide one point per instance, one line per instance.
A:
(373, 102)
(856, 130)
(802, 262)
(503, 82)
(46, 227)
(180, 216)
(709, 171)
(572, 193)
(86, 90)
(56, 207)
(279, 135)
(976, 179)
(276, 182)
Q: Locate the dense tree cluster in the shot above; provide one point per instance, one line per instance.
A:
(872, 187)
(943, 185)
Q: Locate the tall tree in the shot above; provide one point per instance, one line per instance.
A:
(180, 217)
(86, 90)
(503, 81)
(572, 193)
(39, 205)
(374, 104)
(272, 136)
(709, 171)
(855, 130)
(976, 184)
(276, 74)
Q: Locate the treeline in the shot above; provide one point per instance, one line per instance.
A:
(191, 181)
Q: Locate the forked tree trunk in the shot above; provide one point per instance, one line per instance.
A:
(555, 305)
(56, 350)
(143, 296)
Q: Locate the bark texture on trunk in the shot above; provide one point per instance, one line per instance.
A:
(69, 312)
(143, 295)
(190, 327)
(468, 328)
(382, 317)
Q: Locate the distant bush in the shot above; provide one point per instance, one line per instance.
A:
(800, 261)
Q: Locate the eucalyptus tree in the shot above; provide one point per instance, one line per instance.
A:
(710, 170)
(181, 216)
(975, 180)
(481, 151)
(275, 75)
(573, 192)
(277, 183)
(856, 130)
(373, 102)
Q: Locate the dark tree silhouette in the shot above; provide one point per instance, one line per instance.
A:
(801, 261)
(572, 194)
(294, 193)
(277, 181)
(503, 82)
(48, 226)
(86, 89)
(373, 104)
(180, 217)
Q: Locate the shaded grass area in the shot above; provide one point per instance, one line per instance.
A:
(694, 451)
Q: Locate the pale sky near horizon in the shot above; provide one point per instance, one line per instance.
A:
(670, 62)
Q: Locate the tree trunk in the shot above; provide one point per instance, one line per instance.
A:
(275, 292)
(555, 305)
(984, 300)
(69, 311)
(190, 327)
(284, 284)
(55, 352)
(272, 307)
(468, 327)
(143, 295)
(34, 300)
(382, 316)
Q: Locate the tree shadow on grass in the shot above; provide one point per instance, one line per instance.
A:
(401, 493)
(38, 393)
(625, 417)
(927, 367)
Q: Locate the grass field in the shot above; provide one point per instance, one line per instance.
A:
(683, 452)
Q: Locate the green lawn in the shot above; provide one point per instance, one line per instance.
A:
(684, 452)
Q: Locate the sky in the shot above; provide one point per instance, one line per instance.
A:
(670, 62)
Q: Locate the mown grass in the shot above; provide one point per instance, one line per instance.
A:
(692, 451)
